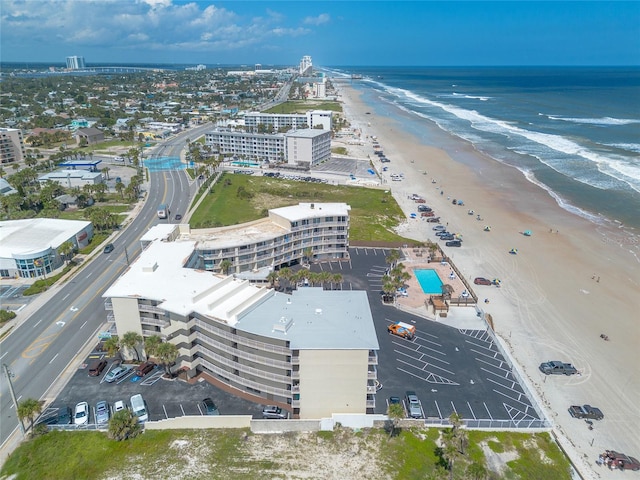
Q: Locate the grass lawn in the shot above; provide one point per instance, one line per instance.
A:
(238, 454)
(303, 106)
(238, 199)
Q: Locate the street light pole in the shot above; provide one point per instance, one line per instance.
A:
(13, 395)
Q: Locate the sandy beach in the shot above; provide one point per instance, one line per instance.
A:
(570, 281)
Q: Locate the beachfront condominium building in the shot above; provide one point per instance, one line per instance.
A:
(298, 148)
(306, 66)
(11, 145)
(288, 236)
(75, 63)
(311, 119)
(313, 352)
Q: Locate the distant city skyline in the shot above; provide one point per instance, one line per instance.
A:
(381, 33)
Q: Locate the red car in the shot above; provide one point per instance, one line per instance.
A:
(482, 281)
(427, 214)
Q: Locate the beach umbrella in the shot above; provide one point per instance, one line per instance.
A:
(513, 251)
(487, 228)
(527, 233)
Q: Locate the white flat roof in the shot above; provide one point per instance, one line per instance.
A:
(235, 235)
(33, 235)
(306, 133)
(158, 274)
(301, 211)
(158, 232)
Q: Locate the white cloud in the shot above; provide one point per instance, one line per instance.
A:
(67, 25)
(319, 20)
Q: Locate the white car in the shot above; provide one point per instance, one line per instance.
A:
(119, 405)
(81, 415)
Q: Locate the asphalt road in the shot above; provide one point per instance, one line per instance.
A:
(44, 345)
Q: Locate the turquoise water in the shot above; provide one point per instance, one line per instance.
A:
(245, 164)
(429, 280)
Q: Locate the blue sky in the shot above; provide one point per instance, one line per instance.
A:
(333, 33)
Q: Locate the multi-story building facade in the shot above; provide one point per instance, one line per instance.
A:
(75, 63)
(311, 119)
(313, 352)
(289, 234)
(306, 65)
(302, 148)
(11, 145)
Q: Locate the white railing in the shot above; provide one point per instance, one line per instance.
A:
(267, 347)
(242, 354)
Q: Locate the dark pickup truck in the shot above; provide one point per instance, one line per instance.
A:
(586, 411)
(557, 368)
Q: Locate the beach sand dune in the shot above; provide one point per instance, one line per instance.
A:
(570, 281)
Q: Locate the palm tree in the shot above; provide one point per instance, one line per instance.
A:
(167, 353)
(151, 345)
(105, 170)
(325, 277)
(225, 266)
(123, 425)
(29, 409)
(272, 278)
(66, 249)
(112, 345)
(131, 340)
(336, 278)
(307, 255)
(455, 441)
(392, 258)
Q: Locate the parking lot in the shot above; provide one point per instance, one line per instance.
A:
(164, 398)
(450, 369)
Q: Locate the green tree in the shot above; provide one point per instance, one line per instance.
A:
(272, 278)
(395, 412)
(131, 340)
(123, 425)
(337, 279)
(151, 345)
(66, 250)
(112, 345)
(476, 471)
(392, 258)
(29, 409)
(455, 441)
(225, 266)
(167, 353)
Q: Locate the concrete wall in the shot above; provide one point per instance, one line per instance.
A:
(127, 315)
(332, 381)
(201, 422)
(279, 426)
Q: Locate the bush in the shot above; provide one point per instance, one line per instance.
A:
(6, 315)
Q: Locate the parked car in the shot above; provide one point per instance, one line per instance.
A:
(453, 243)
(439, 228)
(102, 412)
(108, 248)
(274, 412)
(145, 368)
(481, 281)
(447, 236)
(622, 461)
(424, 208)
(555, 367)
(394, 400)
(97, 367)
(59, 416)
(433, 219)
(119, 405)
(413, 405)
(81, 414)
(427, 214)
(117, 373)
(586, 411)
(210, 408)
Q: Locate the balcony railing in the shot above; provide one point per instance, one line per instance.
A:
(154, 321)
(220, 372)
(242, 354)
(267, 347)
(274, 377)
(108, 305)
(143, 307)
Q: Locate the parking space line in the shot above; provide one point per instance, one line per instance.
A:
(506, 376)
(418, 337)
(472, 412)
(454, 407)
(490, 347)
(502, 385)
(510, 398)
(487, 409)
(165, 411)
(438, 408)
(434, 358)
(500, 367)
(183, 414)
(484, 354)
(431, 373)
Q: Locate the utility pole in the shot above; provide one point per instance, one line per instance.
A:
(10, 375)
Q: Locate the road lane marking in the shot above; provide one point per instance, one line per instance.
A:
(37, 323)
(66, 296)
(85, 322)
(54, 357)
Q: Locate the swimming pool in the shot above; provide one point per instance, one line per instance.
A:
(429, 280)
(245, 164)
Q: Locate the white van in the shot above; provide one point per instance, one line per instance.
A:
(139, 408)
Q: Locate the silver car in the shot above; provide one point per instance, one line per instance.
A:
(102, 412)
(117, 373)
(414, 407)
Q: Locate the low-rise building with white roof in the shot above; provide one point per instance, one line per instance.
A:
(29, 248)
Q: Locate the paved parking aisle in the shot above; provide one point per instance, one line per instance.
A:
(450, 370)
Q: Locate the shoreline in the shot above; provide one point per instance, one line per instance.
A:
(570, 281)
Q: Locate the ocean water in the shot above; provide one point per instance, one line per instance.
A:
(573, 131)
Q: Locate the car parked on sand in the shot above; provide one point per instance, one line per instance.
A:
(555, 367)
(117, 373)
(439, 228)
(482, 281)
(621, 461)
(433, 219)
(274, 412)
(447, 236)
(102, 412)
(424, 208)
(427, 214)
(586, 411)
(81, 415)
(453, 243)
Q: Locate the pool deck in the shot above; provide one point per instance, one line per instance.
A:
(460, 317)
